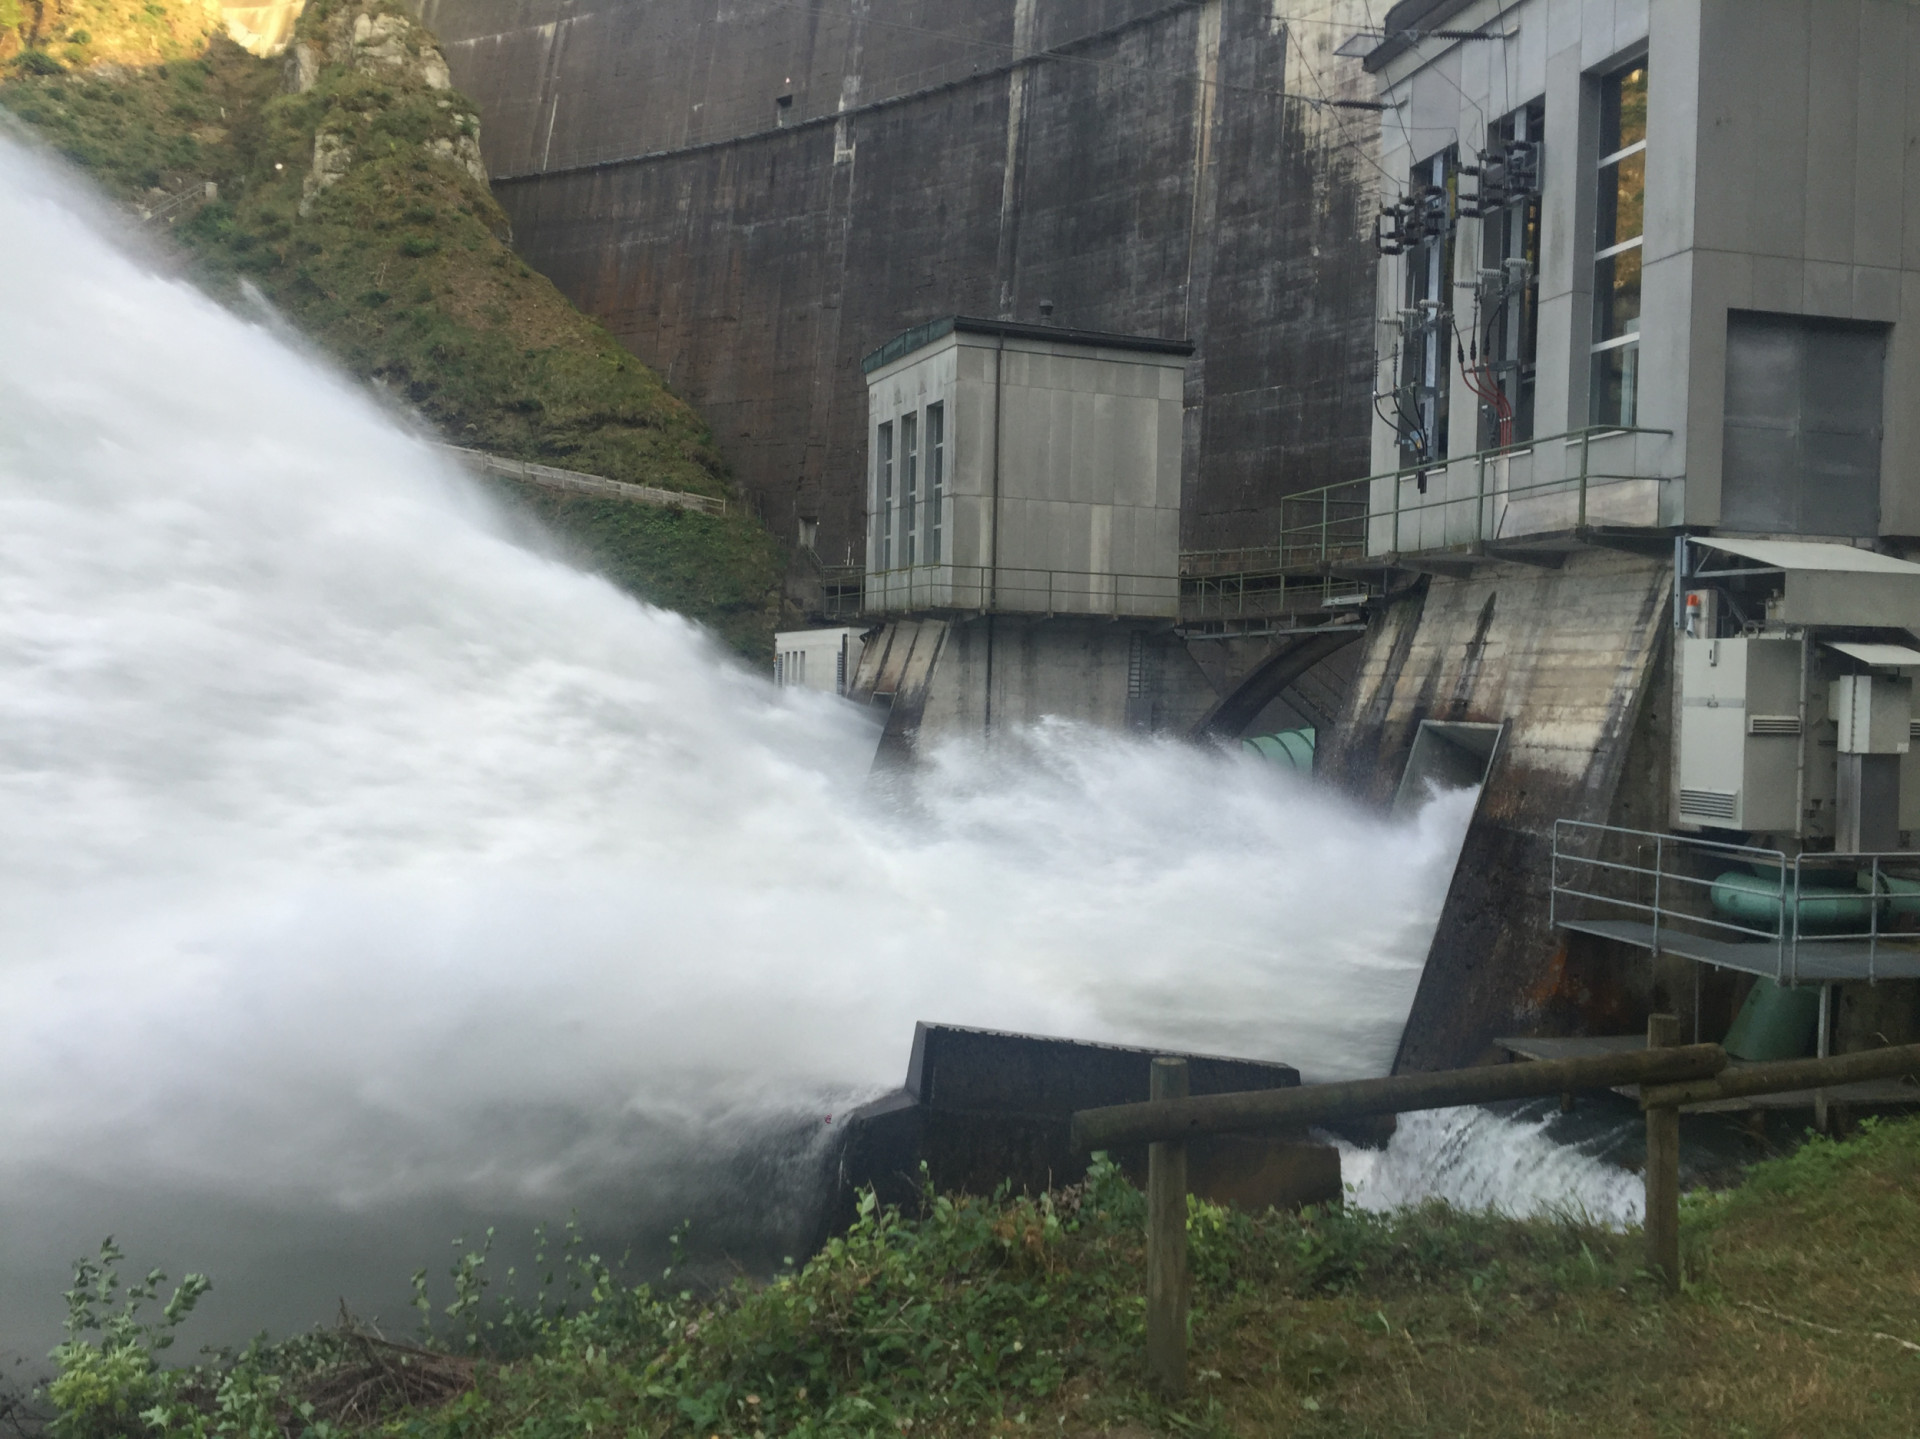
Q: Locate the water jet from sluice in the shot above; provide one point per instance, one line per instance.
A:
(372, 873)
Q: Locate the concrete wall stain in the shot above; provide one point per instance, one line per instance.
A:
(1565, 657)
(1149, 177)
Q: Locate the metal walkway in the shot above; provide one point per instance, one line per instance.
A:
(1818, 962)
(1797, 919)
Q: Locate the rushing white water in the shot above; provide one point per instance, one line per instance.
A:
(362, 856)
(1474, 1159)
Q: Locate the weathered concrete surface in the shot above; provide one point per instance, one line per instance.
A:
(1565, 658)
(1148, 176)
(1003, 671)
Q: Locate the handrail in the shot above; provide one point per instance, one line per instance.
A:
(1021, 589)
(1788, 885)
(1172, 1116)
(1347, 535)
(1307, 1105)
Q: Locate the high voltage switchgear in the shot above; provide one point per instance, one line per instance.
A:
(1495, 350)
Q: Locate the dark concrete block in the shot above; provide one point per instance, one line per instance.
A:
(985, 1069)
(984, 1108)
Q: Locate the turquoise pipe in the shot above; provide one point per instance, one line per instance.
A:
(1757, 902)
(1290, 747)
(1905, 892)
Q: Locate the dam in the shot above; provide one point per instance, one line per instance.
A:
(1608, 549)
(1483, 353)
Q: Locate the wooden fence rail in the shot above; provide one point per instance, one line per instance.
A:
(1310, 1104)
(1670, 1075)
(1788, 1074)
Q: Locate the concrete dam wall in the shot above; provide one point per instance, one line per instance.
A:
(753, 194)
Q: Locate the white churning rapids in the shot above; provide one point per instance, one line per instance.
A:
(364, 856)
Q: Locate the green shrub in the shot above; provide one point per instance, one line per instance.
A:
(104, 1386)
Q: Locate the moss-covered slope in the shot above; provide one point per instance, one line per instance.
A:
(344, 182)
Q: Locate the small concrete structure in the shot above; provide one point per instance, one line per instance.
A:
(819, 659)
(1023, 469)
(1023, 538)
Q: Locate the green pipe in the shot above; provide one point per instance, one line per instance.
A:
(1905, 892)
(1290, 747)
(1759, 902)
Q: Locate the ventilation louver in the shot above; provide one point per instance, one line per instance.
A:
(1773, 724)
(1707, 804)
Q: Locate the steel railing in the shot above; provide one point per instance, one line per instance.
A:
(1010, 589)
(1261, 595)
(1806, 900)
(1346, 523)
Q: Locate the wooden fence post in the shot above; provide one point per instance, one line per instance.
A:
(1663, 1168)
(1167, 1243)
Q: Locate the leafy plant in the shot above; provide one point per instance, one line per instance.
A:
(105, 1383)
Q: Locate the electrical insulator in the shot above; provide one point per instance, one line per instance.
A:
(1489, 192)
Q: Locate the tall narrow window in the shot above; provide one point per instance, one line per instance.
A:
(1621, 221)
(1506, 345)
(1426, 334)
(909, 487)
(883, 495)
(936, 478)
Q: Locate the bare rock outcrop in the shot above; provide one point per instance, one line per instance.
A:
(376, 40)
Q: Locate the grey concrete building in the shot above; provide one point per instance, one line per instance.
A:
(1023, 544)
(1024, 469)
(1643, 495)
(1665, 226)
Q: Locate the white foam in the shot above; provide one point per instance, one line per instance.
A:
(359, 850)
(1475, 1159)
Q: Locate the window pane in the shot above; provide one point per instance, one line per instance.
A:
(1616, 375)
(1616, 296)
(909, 485)
(883, 496)
(936, 477)
(1623, 201)
(1623, 109)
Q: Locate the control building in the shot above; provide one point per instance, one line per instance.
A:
(1023, 536)
(1646, 480)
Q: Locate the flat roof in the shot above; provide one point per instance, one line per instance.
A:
(1406, 24)
(919, 337)
(1886, 657)
(1816, 555)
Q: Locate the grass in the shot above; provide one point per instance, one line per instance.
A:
(400, 270)
(1024, 1315)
